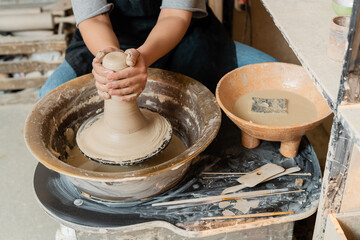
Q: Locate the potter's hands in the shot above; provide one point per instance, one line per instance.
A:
(132, 80)
(100, 73)
(127, 83)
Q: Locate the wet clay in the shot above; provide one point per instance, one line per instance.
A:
(124, 134)
(122, 144)
(299, 109)
(77, 159)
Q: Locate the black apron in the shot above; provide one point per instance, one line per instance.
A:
(205, 53)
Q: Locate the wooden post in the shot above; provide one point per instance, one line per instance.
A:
(337, 169)
(352, 65)
(335, 174)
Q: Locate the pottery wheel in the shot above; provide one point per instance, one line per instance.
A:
(123, 134)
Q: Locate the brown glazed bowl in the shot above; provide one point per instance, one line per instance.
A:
(187, 104)
(280, 76)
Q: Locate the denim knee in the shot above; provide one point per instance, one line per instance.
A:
(246, 55)
(62, 74)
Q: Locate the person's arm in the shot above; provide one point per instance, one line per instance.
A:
(98, 33)
(170, 28)
(99, 38)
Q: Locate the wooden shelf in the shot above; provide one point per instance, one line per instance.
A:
(27, 45)
(305, 25)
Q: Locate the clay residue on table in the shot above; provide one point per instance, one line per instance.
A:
(244, 205)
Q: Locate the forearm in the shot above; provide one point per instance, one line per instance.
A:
(170, 28)
(98, 34)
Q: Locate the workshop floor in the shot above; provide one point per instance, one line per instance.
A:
(21, 217)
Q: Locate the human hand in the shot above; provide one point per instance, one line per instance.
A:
(101, 74)
(129, 82)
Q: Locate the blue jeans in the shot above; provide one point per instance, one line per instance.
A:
(61, 75)
(245, 55)
(248, 55)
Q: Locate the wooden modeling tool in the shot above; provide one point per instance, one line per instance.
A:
(123, 134)
(255, 177)
(254, 215)
(286, 172)
(237, 197)
(219, 198)
(221, 174)
(269, 105)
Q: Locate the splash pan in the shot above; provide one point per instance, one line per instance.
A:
(51, 127)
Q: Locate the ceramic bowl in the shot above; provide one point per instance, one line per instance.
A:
(280, 76)
(342, 7)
